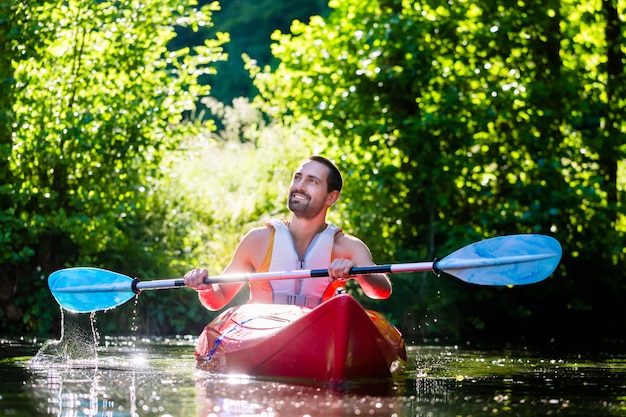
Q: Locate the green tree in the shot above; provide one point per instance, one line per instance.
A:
(250, 24)
(459, 121)
(93, 98)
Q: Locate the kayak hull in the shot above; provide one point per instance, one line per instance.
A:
(335, 342)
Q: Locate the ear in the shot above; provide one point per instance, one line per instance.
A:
(333, 197)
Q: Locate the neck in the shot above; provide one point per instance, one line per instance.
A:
(303, 227)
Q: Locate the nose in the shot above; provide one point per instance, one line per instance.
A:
(297, 184)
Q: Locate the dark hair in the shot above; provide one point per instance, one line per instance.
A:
(335, 182)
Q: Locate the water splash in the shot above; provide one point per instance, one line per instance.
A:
(78, 341)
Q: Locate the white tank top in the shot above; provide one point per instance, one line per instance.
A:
(305, 292)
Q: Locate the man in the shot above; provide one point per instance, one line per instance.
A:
(306, 241)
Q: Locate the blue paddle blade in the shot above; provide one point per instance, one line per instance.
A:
(83, 290)
(506, 260)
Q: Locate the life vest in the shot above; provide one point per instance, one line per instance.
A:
(282, 256)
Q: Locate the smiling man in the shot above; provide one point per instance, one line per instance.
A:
(305, 241)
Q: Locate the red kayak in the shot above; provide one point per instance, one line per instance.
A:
(335, 342)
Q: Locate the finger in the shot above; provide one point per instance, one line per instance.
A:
(336, 272)
(195, 277)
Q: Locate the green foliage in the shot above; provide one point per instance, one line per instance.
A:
(466, 120)
(250, 24)
(452, 121)
(96, 98)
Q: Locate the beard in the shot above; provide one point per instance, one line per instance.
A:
(304, 209)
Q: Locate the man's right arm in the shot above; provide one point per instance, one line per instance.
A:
(245, 260)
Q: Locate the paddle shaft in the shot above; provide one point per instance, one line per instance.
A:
(272, 276)
(437, 267)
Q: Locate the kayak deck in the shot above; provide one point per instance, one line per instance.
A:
(335, 342)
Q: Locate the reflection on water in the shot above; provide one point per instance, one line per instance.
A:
(519, 383)
(158, 378)
(245, 397)
(126, 378)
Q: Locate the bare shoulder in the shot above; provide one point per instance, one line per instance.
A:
(349, 247)
(256, 239)
(252, 247)
(258, 234)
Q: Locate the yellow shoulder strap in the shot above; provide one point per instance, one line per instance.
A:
(265, 265)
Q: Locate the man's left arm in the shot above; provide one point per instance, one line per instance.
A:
(351, 252)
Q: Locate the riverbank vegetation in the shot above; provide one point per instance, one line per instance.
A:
(452, 123)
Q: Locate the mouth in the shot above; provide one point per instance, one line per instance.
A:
(299, 197)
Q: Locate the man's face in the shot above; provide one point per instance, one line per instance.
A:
(308, 191)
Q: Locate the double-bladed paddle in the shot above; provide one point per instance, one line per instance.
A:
(506, 260)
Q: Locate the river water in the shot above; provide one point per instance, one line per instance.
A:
(156, 377)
